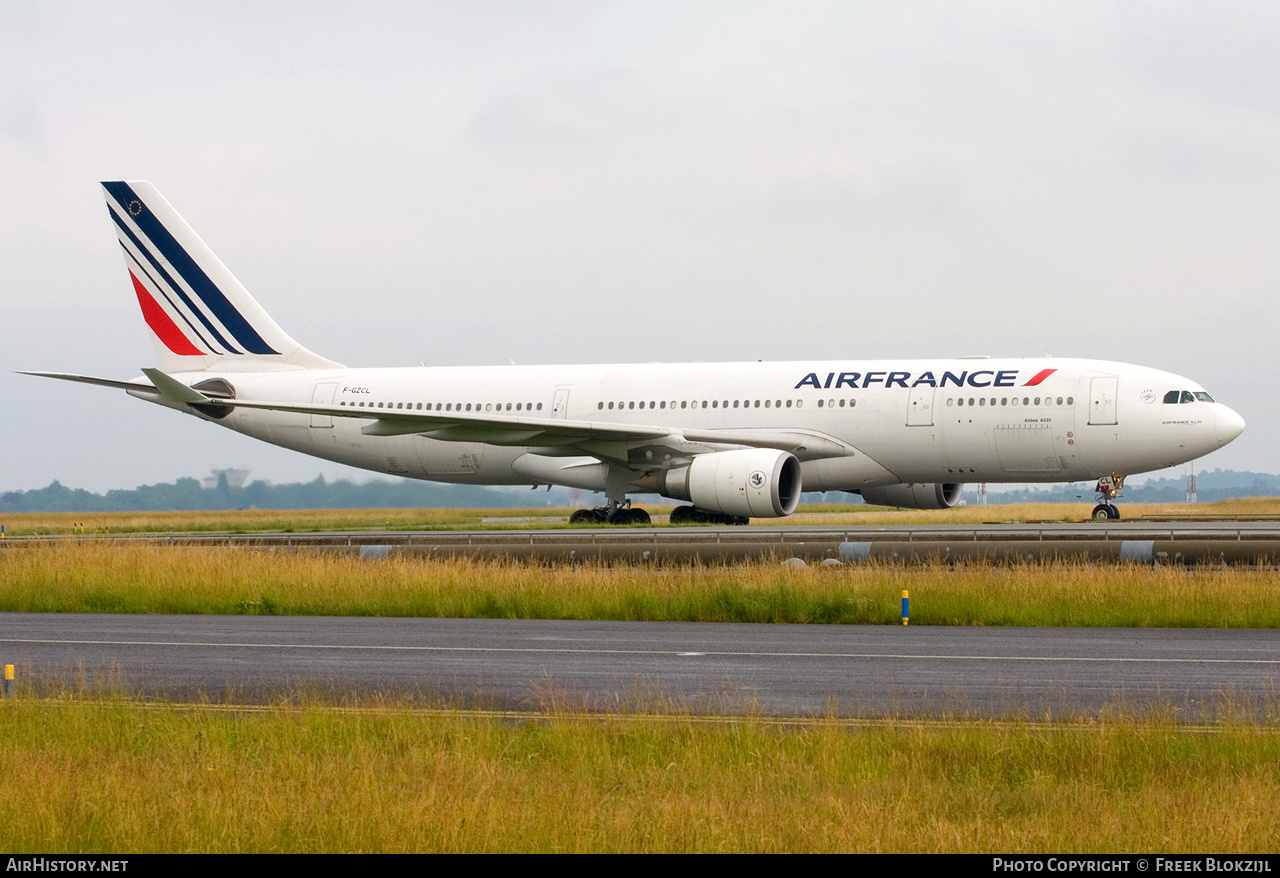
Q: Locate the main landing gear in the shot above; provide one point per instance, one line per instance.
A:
(621, 513)
(624, 513)
(1107, 488)
(690, 515)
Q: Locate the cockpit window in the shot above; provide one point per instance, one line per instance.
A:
(1203, 397)
(1171, 397)
(1187, 397)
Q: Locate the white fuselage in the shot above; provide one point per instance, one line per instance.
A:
(914, 421)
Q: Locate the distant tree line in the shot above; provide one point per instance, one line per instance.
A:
(188, 494)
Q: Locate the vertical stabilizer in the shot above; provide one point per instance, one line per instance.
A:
(199, 315)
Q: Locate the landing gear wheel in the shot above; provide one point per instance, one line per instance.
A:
(1113, 511)
(684, 515)
(692, 515)
(628, 515)
(1104, 512)
(582, 516)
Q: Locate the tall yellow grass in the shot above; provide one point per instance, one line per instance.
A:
(87, 576)
(84, 777)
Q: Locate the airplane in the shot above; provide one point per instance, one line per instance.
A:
(732, 441)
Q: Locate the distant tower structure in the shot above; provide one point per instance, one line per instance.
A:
(1191, 483)
(236, 478)
(982, 494)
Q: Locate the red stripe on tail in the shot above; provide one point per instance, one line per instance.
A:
(164, 328)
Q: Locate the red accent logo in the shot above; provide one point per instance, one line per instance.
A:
(164, 328)
(1040, 376)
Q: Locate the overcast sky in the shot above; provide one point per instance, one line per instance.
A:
(473, 183)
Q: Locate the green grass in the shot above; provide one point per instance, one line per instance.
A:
(119, 776)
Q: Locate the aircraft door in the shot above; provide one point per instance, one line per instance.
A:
(920, 407)
(323, 395)
(560, 406)
(1102, 400)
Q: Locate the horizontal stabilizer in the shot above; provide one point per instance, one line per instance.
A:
(89, 379)
(174, 390)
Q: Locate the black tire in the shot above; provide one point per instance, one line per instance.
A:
(683, 515)
(1102, 512)
(582, 516)
(621, 515)
(1113, 511)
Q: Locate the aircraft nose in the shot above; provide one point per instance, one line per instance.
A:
(1228, 425)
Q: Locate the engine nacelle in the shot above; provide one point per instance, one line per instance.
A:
(942, 495)
(754, 482)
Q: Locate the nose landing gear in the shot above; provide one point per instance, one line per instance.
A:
(1107, 489)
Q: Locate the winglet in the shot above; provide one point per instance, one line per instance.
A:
(174, 390)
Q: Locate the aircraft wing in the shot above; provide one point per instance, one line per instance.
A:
(630, 444)
(624, 443)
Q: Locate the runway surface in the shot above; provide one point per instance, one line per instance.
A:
(791, 670)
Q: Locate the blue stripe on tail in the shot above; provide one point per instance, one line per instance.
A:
(195, 277)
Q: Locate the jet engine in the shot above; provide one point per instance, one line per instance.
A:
(760, 482)
(942, 495)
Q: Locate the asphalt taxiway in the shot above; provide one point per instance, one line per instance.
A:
(790, 670)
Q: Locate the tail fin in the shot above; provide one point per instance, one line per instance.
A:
(200, 316)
